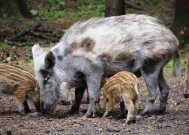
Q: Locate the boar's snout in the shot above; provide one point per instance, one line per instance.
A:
(47, 109)
(48, 103)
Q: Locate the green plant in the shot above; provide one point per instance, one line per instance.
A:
(80, 10)
(31, 62)
(5, 21)
(4, 46)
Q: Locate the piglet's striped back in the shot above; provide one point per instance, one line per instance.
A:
(17, 74)
(120, 78)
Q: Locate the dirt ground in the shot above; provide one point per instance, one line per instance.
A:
(175, 121)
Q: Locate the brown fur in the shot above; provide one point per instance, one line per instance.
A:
(106, 57)
(20, 83)
(123, 57)
(123, 88)
(87, 44)
(74, 46)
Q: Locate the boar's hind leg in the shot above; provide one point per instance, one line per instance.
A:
(164, 91)
(150, 72)
(78, 96)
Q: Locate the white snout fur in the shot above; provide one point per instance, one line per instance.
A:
(65, 93)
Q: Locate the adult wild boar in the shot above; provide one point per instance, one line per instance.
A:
(101, 47)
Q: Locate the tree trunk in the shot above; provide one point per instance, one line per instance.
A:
(181, 22)
(14, 8)
(115, 7)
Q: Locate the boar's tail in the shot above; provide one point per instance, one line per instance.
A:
(176, 64)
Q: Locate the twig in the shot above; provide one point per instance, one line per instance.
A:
(43, 31)
(134, 6)
(14, 43)
(24, 32)
(43, 36)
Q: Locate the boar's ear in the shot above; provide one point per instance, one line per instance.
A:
(50, 60)
(37, 50)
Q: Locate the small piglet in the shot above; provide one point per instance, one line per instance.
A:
(121, 88)
(20, 83)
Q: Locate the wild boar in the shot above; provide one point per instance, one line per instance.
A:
(20, 83)
(121, 88)
(101, 47)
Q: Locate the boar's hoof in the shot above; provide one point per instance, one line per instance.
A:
(27, 110)
(22, 113)
(73, 111)
(145, 112)
(160, 111)
(88, 115)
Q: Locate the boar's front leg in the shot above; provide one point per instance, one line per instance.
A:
(93, 84)
(78, 96)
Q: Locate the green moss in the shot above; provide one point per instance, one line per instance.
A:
(4, 46)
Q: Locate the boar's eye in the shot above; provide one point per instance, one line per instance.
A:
(79, 75)
(46, 79)
(44, 73)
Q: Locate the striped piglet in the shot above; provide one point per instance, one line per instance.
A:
(121, 88)
(20, 83)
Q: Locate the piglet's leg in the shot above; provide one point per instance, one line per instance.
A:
(109, 106)
(131, 110)
(93, 84)
(23, 105)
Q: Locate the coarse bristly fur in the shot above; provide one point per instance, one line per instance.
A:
(121, 88)
(101, 47)
(20, 83)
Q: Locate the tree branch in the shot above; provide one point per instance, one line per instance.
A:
(131, 5)
(43, 36)
(24, 32)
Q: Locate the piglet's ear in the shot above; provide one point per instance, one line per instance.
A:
(50, 60)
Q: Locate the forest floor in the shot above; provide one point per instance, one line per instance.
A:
(174, 122)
